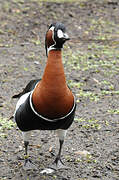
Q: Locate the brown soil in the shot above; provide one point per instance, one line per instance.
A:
(23, 25)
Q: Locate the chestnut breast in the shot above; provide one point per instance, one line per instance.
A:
(52, 98)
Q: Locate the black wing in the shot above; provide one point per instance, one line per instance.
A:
(29, 87)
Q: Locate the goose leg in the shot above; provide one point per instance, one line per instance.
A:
(58, 164)
(28, 163)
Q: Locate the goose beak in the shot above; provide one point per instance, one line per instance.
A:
(66, 37)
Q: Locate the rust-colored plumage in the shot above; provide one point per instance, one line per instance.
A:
(52, 98)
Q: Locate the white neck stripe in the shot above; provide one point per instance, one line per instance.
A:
(51, 48)
(50, 120)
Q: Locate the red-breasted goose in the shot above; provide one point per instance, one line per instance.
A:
(47, 104)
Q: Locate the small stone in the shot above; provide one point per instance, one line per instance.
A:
(47, 171)
(82, 153)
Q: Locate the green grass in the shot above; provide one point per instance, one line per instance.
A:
(88, 123)
(113, 111)
(99, 58)
(92, 96)
(5, 124)
(73, 84)
(58, 1)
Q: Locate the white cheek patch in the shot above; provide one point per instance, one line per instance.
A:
(60, 34)
(52, 28)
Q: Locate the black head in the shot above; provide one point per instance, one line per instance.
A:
(56, 36)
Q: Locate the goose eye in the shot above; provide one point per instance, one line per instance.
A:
(60, 34)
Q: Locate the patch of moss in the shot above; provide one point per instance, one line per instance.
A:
(5, 124)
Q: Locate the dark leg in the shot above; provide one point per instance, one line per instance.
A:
(58, 164)
(26, 143)
(28, 163)
(26, 157)
(58, 158)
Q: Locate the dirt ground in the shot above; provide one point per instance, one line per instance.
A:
(91, 61)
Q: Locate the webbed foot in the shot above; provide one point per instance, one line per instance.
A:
(58, 164)
(29, 165)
